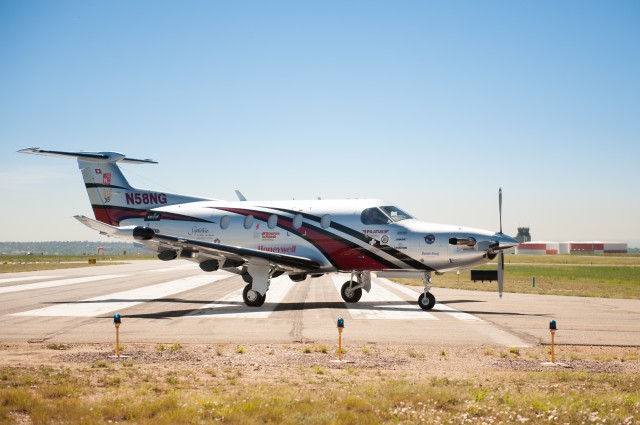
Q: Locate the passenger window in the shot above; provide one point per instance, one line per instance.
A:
(248, 222)
(272, 222)
(297, 221)
(325, 221)
(224, 222)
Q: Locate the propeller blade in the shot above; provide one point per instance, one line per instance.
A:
(500, 207)
(500, 273)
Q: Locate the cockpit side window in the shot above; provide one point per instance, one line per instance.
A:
(374, 216)
(395, 213)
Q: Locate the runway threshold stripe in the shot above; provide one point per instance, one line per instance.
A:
(232, 305)
(386, 304)
(22, 279)
(97, 306)
(54, 283)
(460, 315)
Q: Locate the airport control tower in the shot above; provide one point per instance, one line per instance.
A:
(523, 235)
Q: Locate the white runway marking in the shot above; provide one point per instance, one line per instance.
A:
(387, 305)
(234, 305)
(191, 266)
(460, 315)
(22, 279)
(119, 301)
(54, 283)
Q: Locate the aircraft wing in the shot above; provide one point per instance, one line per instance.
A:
(158, 242)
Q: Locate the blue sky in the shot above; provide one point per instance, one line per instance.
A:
(431, 105)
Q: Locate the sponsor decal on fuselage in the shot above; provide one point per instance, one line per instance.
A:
(278, 249)
(146, 198)
(152, 216)
(374, 231)
(430, 239)
(270, 236)
(106, 179)
(106, 194)
(199, 231)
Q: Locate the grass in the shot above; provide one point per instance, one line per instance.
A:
(46, 395)
(584, 276)
(28, 263)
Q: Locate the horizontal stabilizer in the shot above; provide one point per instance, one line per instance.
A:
(104, 228)
(89, 156)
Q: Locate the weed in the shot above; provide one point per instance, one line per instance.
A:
(515, 351)
(100, 364)
(366, 350)
(176, 346)
(160, 347)
(488, 351)
(306, 350)
(240, 349)
(321, 349)
(58, 346)
(415, 354)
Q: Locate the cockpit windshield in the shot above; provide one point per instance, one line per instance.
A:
(383, 215)
(395, 213)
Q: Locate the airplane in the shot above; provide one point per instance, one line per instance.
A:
(260, 240)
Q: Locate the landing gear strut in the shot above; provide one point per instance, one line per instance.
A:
(352, 290)
(426, 300)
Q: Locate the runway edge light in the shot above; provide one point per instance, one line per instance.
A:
(340, 329)
(117, 320)
(553, 328)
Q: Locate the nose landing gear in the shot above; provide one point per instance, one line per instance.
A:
(426, 300)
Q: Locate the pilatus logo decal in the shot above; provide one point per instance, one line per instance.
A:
(429, 239)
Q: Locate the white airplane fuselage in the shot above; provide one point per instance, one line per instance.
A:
(263, 239)
(330, 232)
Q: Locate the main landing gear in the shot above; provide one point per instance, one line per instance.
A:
(352, 289)
(253, 298)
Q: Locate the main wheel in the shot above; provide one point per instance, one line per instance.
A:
(252, 298)
(426, 303)
(350, 295)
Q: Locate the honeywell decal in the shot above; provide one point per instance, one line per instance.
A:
(278, 249)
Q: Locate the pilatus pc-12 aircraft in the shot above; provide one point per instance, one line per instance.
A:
(263, 239)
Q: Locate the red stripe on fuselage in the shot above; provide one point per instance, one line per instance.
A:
(342, 255)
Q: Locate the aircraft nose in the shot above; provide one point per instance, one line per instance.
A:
(506, 241)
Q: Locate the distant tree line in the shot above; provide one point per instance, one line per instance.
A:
(70, 248)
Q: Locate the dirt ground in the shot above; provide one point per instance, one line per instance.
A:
(271, 362)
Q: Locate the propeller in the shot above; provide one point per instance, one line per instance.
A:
(501, 254)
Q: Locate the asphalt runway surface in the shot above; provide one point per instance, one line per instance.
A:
(167, 302)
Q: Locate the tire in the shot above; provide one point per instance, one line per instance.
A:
(428, 302)
(350, 296)
(252, 298)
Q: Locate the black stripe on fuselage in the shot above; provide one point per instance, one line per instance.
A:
(398, 255)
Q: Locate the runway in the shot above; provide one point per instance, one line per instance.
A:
(177, 302)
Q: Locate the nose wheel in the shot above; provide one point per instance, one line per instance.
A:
(426, 301)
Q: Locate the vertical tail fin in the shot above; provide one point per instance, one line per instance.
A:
(112, 198)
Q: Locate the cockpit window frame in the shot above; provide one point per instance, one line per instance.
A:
(395, 214)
